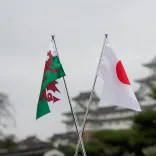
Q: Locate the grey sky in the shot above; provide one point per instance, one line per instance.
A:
(79, 26)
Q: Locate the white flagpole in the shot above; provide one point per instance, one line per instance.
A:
(73, 113)
(90, 98)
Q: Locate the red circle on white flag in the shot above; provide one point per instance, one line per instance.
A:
(121, 73)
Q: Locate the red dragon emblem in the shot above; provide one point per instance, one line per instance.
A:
(52, 86)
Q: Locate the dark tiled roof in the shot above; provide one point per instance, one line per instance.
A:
(85, 96)
(70, 136)
(149, 107)
(63, 136)
(69, 113)
(113, 119)
(32, 146)
(33, 142)
(114, 109)
(27, 152)
(139, 96)
(101, 110)
(152, 64)
(102, 120)
(147, 79)
(81, 105)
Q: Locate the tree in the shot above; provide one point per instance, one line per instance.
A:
(152, 93)
(9, 143)
(115, 142)
(120, 142)
(67, 150)
(145, 124)
(6, 114)
(133, 141)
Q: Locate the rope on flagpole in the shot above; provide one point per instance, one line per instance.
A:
(73, 113)
(90, 98)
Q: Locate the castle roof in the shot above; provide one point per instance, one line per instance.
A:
(38, 150)
(64, 136)
(151, 64)
(111, 109)
(101, 120)
(147, 79)
(139, 96)
(101, 110)
(85, 96)
(33, 142)
(70, 136)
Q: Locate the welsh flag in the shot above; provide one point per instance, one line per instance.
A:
(49, 92)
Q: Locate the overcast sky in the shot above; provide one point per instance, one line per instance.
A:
(79, 26)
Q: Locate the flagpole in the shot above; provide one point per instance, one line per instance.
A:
(90, 98)
(73, 113)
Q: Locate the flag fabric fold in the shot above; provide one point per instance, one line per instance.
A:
(117, 89)
(53, 71)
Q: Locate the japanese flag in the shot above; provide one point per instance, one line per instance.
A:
(117, 89)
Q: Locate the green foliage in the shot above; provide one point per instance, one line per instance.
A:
(120, 142)
(133, 141)
(145, 124)
(67, 150)
(152, 94)
(94, 148)
(113, 137)
(8, 143)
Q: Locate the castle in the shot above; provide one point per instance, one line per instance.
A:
(110, 117)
